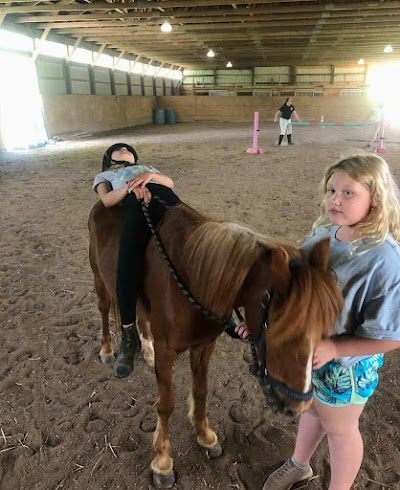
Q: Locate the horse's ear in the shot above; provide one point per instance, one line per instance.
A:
(319, 254)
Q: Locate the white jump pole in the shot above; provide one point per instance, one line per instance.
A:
(255, 148)
(381, 135)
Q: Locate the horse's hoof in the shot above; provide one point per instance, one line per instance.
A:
(107, 358)
(163, 481)
(214, 452)
(149, 361)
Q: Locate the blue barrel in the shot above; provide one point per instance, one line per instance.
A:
(159, 116)
(170, 116)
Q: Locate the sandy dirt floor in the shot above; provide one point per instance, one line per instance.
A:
(65, 422)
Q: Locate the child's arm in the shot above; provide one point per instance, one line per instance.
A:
(277, 115)
(294, 113)
(144, 178)
(111, 197)
(350, 345)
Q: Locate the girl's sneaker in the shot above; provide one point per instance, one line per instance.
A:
(286, 476)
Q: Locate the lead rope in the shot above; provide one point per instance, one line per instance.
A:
(182, 286)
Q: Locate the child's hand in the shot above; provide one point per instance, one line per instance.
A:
(241, 330)
(141, 180)
(325, 352)
(142, 194)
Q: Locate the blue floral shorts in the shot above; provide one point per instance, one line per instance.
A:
(338, 385)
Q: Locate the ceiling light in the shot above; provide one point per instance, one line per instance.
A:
(211, 54)
(229, 64)
(166, 27)
(361, 61)
(388, 48)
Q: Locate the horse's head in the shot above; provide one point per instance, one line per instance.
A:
(232, 266)
(300, 305)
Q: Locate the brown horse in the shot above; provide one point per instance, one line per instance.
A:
(224, 266)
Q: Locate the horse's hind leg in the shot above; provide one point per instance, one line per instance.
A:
(162, 464)
(106, 353)
(206, 437)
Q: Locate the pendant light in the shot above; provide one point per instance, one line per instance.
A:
(166, 26)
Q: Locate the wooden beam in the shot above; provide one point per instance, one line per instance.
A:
(42, 38)
(146, 5)
(75, 47)
(98, 54)
(273, 13)
(121, 55)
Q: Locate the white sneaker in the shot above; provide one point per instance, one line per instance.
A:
(286, 476)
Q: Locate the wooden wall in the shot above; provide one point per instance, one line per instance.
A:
(242, 108)
(95, 113)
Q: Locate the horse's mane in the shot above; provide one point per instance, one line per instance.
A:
(221, 255)
(313, 299)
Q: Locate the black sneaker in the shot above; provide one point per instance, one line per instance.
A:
(130, 345)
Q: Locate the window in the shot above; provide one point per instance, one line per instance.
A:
(81, 55)
(123, 64)
(104, 60)
(18, 42)
(50, 48)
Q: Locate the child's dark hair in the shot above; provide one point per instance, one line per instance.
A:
(107, 154)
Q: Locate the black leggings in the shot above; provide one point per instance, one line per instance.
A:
(135, 235)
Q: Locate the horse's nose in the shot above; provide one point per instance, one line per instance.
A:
(274, 407)
(275, 404)
(290, 412)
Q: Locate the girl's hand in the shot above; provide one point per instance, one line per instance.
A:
(241, 330)
(325, 352)
(141, 180)
(142, 194)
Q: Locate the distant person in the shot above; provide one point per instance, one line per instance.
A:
(124, 182)
(375, 119)
(284, 114)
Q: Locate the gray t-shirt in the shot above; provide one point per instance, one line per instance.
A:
(118, 178)
(370, 283)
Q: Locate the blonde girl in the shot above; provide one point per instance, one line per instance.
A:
(360, 213)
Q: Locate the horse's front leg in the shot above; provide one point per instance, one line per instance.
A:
(162, 464)
(206, 437)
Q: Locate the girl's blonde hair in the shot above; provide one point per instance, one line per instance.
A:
(374, 173)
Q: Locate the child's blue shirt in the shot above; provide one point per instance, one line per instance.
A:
(370, 283)
(119, 177)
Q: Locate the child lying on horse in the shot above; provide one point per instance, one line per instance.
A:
(124, 182)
